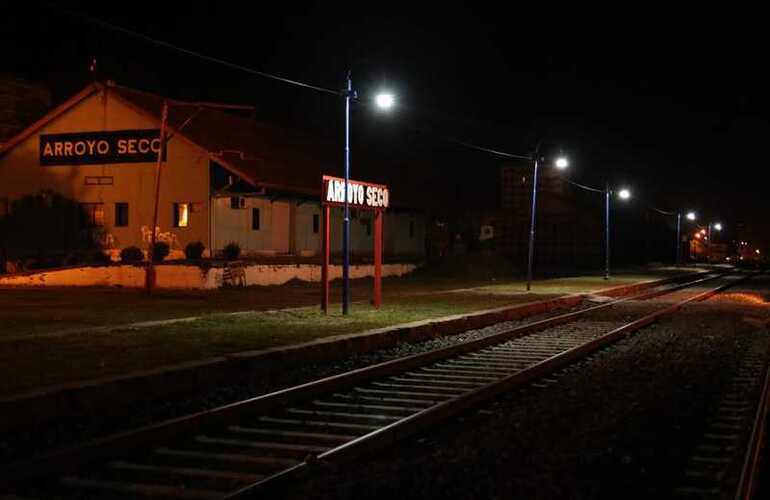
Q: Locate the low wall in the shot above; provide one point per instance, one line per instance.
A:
(191, 277)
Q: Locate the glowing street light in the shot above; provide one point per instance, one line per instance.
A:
(561, 163)
(690, 215)
(623, 194)
(385, 100)
(718, 226)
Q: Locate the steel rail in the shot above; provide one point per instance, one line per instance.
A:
(74, 458)
(751, 463)
(398, 430)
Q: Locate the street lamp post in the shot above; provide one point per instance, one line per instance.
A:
(623, 194)
(383, 101)
(531, 252)
(678, 245)
(718, 227)
(349, 93)
(561, 163)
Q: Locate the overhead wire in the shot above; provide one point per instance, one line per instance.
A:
(336, 92)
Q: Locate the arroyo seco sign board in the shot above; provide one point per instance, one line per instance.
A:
(88, 148)
(360, 194)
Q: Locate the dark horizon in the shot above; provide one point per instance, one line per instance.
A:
(662, 104)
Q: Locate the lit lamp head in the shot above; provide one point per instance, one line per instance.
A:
(718, 226)
(624, 194)
(561, 163)
(385, 100)
(690, 215)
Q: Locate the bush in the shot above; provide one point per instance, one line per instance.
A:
(231, 251)
(131, 255)
(75, 258)
(160, 251)
(99, 257)
(194, 250)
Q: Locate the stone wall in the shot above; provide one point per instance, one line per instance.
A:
(191, 277)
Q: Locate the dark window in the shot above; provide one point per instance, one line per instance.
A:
(91, 214)
(236, 202)
(316, 223)
(255, 219)
(181, 214)
(121, 214)
(411, 228)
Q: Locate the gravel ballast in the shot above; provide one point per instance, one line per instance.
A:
(75, 431)
(620, 424)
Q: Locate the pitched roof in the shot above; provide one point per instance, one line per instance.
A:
(262, 154)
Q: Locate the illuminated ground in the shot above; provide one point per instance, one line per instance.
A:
(48, 341)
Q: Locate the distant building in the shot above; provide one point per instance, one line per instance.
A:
(227, 178)
(569, 230)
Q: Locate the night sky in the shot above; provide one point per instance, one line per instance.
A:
(671, 103)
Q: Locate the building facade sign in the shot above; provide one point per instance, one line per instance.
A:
(360, 194)
(89, 148)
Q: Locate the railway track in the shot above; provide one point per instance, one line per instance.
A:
(249, 448)
(726, 462)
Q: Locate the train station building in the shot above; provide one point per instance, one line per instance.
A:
(226, 178)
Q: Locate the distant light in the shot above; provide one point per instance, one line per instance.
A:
(727, 259)
(702, 231)
(757, 250)
(562, 163)
(697, 235)
(718, 226)
(624, 194)
(690, 215)
(385, 101)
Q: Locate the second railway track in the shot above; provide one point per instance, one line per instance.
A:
(246, 448)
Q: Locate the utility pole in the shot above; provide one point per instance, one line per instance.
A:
(346, 217)
(607, 232)
(531, 254)
(150, 278)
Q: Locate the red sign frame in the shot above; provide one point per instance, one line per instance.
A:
(326, 239)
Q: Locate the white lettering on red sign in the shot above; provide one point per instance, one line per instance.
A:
(358, 194)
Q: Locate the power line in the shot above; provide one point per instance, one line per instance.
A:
(192, 53)
(581, 186)
(167, 45)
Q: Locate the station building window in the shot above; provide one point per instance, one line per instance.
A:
(121, 214)
(181, 214)
(255, 219)
(91, 214)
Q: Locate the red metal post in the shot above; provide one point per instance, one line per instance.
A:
(325, 243)
(377, 258)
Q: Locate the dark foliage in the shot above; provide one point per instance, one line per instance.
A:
(231, 251)
(194, 250)
(131, 255)
(160, 251)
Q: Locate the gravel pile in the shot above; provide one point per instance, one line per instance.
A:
(621, 424)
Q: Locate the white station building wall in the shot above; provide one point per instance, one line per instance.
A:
(288, 227)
